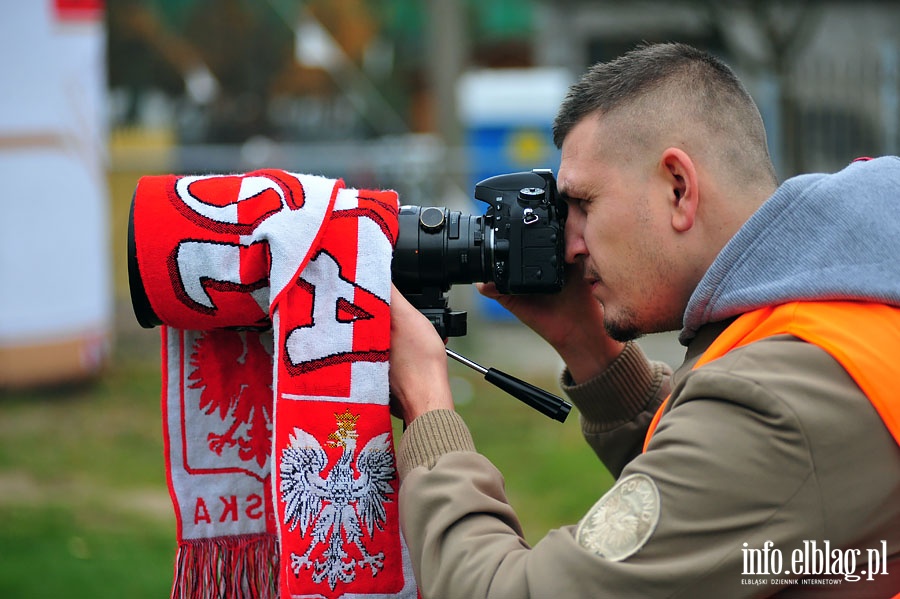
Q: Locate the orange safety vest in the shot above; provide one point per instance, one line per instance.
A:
(863, 337)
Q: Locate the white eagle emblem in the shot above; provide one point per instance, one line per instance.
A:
(336, 507)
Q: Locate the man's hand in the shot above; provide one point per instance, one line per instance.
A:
(571, 321)
(418, 374)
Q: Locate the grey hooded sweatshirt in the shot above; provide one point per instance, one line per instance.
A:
(819, 237)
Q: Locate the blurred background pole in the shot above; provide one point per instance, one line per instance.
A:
(889, 92)
(448, 52)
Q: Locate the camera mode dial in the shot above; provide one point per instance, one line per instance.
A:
(529, 196)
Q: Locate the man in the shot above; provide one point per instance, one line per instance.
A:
(773, 466)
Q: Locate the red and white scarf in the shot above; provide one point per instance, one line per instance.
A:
(278, 438)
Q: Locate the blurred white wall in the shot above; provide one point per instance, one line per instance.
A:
(55, 288)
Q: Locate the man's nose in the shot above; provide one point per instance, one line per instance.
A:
(575, 247)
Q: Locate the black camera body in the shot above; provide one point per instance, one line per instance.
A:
(518, 244)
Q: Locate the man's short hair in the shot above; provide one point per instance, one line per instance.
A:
(672, 85)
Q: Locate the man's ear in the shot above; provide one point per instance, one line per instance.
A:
(681, 174)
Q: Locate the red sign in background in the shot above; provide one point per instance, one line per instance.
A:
(79, 10)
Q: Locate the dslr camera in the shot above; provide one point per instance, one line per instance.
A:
(518, 244)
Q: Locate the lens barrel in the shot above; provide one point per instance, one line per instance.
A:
(437, 247)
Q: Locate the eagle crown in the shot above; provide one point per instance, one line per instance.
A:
(346, 429)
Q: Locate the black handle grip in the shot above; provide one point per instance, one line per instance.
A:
(542, 401)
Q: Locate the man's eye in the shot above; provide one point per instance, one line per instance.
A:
(576, 202)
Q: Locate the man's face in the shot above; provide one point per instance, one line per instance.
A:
(617, 230)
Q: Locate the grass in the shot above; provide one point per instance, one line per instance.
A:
(83, 497)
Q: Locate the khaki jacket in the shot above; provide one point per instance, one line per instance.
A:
(770, 458)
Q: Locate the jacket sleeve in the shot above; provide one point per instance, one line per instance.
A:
(616, 407)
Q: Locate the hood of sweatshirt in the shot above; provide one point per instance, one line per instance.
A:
(819, 237)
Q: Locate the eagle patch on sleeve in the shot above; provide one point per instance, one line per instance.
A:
(621, 521)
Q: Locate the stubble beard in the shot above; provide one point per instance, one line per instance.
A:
(621, 327)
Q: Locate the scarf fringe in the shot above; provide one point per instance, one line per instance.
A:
(227, 567)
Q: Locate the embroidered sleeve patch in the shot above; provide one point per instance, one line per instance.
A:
(621, 521)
